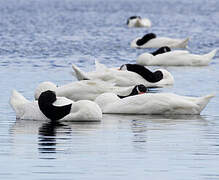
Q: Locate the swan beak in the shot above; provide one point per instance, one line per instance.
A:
(141, 92)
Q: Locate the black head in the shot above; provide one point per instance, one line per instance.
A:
(138, 89)
(132, 67)
(145, 39)
(143, 72)
(133, 17)
(123, 67)
(47, 97)
(158, 75)
(45, 102)
(161, 50)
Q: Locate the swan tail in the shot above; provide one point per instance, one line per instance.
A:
(16, 100)
(79, 74)
(211, 54)
(203, 101)
(184, 43)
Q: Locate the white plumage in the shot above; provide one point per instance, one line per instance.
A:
(83, 110)
(152, 103)
(176, 58)
(121, 78)
(161, 41)
(139, 22)
(82, 90)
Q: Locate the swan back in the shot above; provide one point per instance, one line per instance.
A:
(84, 110)
(44, 86)
(158, 103)
(176, 58)
(161, 41)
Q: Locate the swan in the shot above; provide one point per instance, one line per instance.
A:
(151, 41)
(126, 77)
(137, 21)
(50, 107)
(82, 90)
(152, 103)
(175, 58)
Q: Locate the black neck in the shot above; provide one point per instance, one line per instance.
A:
(134, 92)
(145, 73)
(145, 39)
(52, 112)
(161, 50)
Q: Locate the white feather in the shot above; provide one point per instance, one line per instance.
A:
(162, 41)
(152, 103)
(126, 78)
(176, 58)
(137, 22)
(82, 90)
(80, 111)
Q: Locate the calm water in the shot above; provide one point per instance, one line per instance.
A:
(40, 39)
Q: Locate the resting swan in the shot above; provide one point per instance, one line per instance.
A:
(152, 103)
(175, 58)
(137, 21)
(50, 107)
(82, 90)
(151, 41)
(128, 76)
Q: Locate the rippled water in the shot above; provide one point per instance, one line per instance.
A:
(39, 40)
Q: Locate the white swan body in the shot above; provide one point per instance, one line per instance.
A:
(139, 22)
(175, 58)
(82, 90)
(152, 103)
(121, 78)
(161, 41)
(83, 110)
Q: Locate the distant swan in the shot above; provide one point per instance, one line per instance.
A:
(150, 40)
(137, 21)
(175, 58)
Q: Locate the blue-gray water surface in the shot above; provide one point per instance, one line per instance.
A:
(40, 39)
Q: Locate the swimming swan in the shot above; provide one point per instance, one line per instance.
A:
(54, 108)
(152, 103)
(137, 21)
(175, 58)
(126, 77)
(151, 41)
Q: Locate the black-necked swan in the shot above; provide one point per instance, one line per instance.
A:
(137, 21)
(122, 78)
(150, 40)
(54, 108)
(176, 58)
(152, 103)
